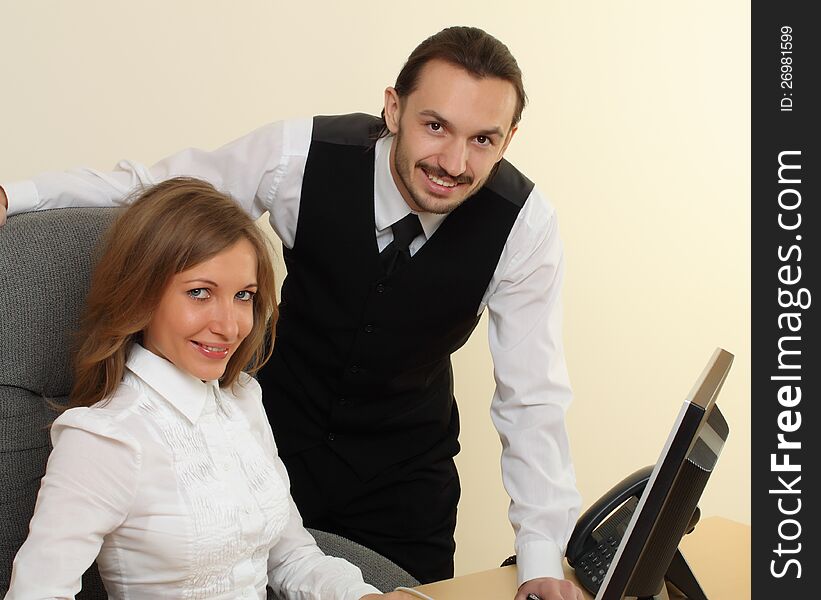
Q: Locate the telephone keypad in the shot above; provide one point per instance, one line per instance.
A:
(593, 566)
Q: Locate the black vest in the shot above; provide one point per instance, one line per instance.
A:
(362, 361)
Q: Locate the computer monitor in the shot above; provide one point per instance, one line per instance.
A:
(649, 548)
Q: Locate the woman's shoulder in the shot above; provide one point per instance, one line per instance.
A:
(246, 387)
(106, 419)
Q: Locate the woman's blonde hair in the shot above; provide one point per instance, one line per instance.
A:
(169, 228)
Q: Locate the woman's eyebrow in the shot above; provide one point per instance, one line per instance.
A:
(253, 284)
(199, 280)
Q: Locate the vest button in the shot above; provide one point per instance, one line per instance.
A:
(354, 369)
(369, 328)
(380, 288)
(331, 437)
(344, 402)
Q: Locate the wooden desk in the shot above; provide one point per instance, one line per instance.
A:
(718, 552)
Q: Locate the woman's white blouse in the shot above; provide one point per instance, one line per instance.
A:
(178, 487)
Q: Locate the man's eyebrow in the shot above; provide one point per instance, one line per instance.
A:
(440, 119)
(435, 115)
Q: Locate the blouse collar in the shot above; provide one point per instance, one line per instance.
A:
(182, 390)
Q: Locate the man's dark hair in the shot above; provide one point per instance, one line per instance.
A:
(470, 48)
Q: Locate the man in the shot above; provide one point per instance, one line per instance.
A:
(397, 233)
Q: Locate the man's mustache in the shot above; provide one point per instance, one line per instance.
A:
(439, 172)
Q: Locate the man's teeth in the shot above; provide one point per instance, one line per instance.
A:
(438, 181)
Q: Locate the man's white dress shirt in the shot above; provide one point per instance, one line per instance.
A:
(176, 483)
(263, 171)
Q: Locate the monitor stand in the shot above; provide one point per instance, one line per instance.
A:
(680, 577)
(662, 595)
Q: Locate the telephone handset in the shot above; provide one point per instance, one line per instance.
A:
(600, 529)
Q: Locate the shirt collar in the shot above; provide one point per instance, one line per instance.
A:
(182, 390)
(388, 204)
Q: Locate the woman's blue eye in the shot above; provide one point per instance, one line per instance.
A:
(245, 295)
(199, 293)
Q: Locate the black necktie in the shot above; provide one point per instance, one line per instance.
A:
(397, 253)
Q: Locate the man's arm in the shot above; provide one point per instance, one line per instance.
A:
(533, 392)
(257, 170)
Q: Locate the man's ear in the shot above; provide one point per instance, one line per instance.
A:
(506, 143)
(392, 110)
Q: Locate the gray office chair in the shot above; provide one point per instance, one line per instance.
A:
(45, 265)
(376, 569)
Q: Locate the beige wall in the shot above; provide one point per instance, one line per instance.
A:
(638, 130)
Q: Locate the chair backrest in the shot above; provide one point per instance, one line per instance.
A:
(45, 266)
(377, 570)
(380, 572)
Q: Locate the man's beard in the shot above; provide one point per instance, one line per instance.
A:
(405, 170)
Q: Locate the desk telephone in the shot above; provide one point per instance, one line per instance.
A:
(600, 529)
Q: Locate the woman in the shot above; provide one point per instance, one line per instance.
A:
(164, 469)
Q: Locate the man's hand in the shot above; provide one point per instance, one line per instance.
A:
(547, 588)
(4, 203)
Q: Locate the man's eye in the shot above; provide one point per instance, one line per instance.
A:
(483, 140)
(199, 293)
(245, 296)
(435, 126)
